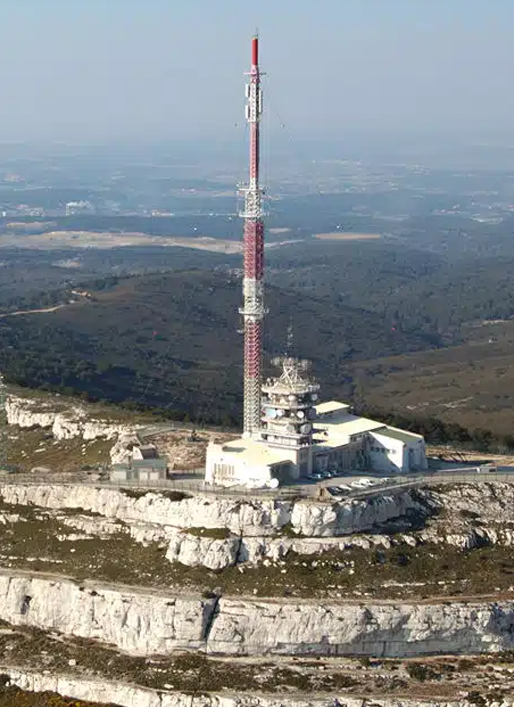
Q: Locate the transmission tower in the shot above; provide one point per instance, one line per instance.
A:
(253, 246)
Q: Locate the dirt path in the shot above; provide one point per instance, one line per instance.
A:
(33, 311)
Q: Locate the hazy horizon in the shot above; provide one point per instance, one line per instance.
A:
(125, 70)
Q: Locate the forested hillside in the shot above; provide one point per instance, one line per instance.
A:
(173, 340)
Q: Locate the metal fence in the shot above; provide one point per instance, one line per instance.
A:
(292, 492)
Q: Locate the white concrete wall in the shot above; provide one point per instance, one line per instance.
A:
(392, 459)
(244, 473)
(416, 455)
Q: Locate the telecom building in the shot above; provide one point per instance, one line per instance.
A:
(288, 434)
(302, 438)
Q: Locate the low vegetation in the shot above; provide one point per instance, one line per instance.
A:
(31, 448)
(39, 541)
(11, 696)
(196, 674)
(214, 533)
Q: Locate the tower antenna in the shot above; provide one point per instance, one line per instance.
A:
(253, 310)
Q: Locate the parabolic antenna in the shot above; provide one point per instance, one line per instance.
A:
(271, 413)
(290, 428)
(280, 413)
(314, 396)
(300, 414)
(274, 483)
(306, 428)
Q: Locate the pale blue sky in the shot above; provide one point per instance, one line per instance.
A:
(102, 69)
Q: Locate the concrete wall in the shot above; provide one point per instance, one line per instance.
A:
(390, 458)
(225, 469)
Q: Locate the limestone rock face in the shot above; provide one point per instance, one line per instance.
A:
(92, 526)
(135, 621)
(142, 622)
(246, 517)
(345, 517)
(208, 552)
(383, 630)
(121, 452)
(94, 690)
(74, 422)
(267, 529)
(201, 511)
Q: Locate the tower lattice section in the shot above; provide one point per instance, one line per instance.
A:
(253, 248)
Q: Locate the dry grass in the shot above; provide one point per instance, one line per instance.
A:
(194, 673)
(471, 384)
(27, 449)
(14, 697)
(53, 240)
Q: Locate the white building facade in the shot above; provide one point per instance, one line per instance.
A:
(341, 443)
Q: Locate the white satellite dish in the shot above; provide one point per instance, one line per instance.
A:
(274, 484)
(314, 396)
(300, 414)
(305, 429)
(271, 413)
(280, 413)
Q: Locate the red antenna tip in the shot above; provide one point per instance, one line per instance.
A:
(255, 51)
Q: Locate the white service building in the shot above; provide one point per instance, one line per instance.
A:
(342, 443)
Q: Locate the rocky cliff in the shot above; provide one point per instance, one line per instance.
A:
(254, 530)
(72, 422)
(244, 517)
(144, 622)
(136, 621)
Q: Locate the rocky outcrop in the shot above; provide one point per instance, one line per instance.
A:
(135, 621)
(244, 517)
(95, 690)
(142, 622)
(267, 530)
(373, 629)
(92, 525)
(121, 452)
(72, 422)
(194, 551)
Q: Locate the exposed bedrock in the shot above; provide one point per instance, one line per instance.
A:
(136, 621)
(91, 689)
(73, 422)
(247, 517)
(144, 622)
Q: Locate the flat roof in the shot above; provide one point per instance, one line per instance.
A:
(254, 452)
(402, 435)
(331, 406)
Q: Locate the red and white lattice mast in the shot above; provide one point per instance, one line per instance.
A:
(253, 247)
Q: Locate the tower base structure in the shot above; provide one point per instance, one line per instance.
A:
(303, 440)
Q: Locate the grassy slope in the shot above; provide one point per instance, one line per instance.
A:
(471, 384)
